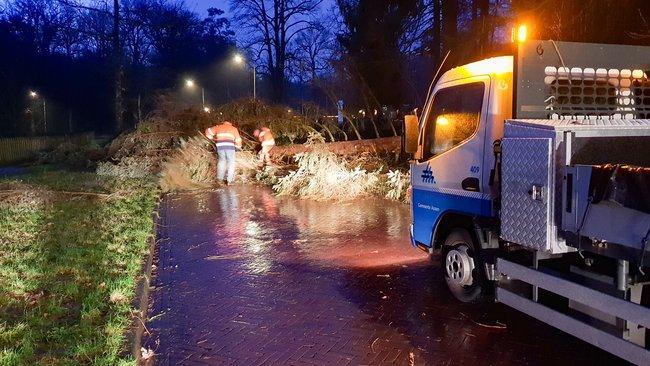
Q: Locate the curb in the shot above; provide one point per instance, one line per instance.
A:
(141, 299)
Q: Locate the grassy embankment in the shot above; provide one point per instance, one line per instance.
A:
(71, 246)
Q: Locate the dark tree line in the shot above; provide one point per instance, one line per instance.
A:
(388, 50)
(92, 63)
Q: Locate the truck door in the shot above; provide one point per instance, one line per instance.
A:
(449, 175)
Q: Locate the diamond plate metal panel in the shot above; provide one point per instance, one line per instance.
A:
(527, 162)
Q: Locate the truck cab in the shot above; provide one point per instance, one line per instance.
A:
(453, 170)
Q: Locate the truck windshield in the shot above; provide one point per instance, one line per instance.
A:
(454, 117)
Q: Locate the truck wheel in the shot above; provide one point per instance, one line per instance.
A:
(463, 266)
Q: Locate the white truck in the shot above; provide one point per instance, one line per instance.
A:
(530, 174)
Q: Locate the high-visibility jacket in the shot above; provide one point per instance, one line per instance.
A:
(266, 137)
(225, 135)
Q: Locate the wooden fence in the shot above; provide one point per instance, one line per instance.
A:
(20, 149)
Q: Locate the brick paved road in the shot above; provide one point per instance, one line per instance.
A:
(245, 278)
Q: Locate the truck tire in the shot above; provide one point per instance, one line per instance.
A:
(463, 266)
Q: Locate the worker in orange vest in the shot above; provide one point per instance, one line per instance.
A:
(226, 136)
(265, 138)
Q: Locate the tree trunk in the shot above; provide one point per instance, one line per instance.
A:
(118, 64)
(435, 32)
(481, 13)
(449, 23)
(354, 128)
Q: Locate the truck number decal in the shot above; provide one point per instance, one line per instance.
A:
(474, 169)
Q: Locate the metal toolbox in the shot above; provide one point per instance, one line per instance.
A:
(536, 156)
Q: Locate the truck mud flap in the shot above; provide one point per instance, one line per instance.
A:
(598, 300)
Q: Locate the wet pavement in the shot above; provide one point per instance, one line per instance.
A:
(247, 278)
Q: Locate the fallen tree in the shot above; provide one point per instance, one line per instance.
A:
(169, 147)
(377, 146)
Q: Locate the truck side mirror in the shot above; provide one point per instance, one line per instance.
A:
(411, 134)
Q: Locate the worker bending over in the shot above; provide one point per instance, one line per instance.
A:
(226, 137)
(265, 138)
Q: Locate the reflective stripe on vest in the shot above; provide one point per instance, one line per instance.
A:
(225, 136)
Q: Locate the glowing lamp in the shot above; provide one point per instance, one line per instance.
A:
(520, 34)
(442, 121)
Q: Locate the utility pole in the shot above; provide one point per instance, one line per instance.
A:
(44, 116)
(139, 108)
(118, 60)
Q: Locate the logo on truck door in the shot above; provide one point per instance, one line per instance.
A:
(427, 175)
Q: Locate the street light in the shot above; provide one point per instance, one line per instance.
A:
(190, 84)
(34, 95)
(238, 59)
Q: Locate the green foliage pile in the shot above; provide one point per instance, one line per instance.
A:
(71, 246)
(324, 175)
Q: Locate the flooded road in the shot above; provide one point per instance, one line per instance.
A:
(246, 278)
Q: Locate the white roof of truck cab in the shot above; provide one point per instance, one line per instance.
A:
(490, 66)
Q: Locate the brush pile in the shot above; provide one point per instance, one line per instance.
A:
(193, 165)
(323, 175)
(168, 146)
(77, 154)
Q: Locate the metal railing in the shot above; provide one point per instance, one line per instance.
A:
(21, 149)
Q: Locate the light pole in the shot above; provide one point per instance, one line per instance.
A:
(34, 95)
(240, 60)
(190, 84)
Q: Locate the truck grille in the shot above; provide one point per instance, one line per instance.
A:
(597, 93)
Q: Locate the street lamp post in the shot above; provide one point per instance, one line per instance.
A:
(44, 117)
(239, 60)
(190, 84)
(139, 107)
(34, 95)
(254, 82)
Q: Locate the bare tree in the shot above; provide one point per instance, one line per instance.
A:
(69, 40)
(117, 53)
(312, 49)
(450, 9)
(35, 21)
(136, 43)
(272, 26)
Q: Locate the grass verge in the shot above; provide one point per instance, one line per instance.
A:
(71, 246)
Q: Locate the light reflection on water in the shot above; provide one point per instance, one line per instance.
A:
(262, 229)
